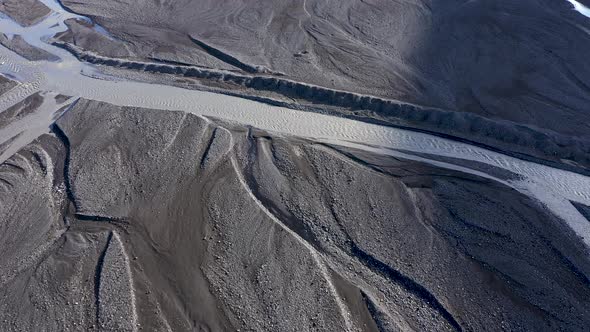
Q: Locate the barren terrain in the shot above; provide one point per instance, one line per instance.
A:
(183, 223)
(294, 166)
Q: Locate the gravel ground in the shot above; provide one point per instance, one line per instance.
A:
(166, 221)
(18, 45)
(522, 62)
(24, 12)
(6, 84)
(509, 76)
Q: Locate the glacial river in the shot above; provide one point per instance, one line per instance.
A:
(580, 8)
(553, 187)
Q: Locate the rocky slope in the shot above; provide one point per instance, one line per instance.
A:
(25, 12)
(155, 220)
(6, 84)
(18, 45)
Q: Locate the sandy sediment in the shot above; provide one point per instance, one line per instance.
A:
(219, 146)
(503, 75)
(523, 140)
(584, 210)
(522, 62)
(116, 298)
(127, 219)
(6, 84)
(24, 12)
(170, 221)
(27, 179)
(7, 142)
(85, 35)
(20, 110)
(18, 45)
